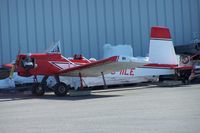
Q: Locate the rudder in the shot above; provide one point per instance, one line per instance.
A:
(161, 48)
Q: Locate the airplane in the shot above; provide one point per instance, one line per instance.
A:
(54, 64)
(162, 62)
(122, 77)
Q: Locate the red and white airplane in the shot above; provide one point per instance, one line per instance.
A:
(54, 64)
(162, 61)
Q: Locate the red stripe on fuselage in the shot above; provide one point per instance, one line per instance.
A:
(161, 65)
(166, 66)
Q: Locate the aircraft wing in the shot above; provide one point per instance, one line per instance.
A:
(108, 65)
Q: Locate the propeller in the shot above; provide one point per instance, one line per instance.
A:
(14, 66)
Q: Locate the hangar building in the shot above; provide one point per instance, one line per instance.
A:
(84, 26)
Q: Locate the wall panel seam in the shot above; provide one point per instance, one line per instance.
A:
(9, 32)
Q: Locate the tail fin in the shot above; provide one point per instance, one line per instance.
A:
(161, 48)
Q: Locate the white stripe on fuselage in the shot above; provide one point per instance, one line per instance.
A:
(62, 65)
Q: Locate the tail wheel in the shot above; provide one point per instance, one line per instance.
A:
(38, 89)
(61, 89)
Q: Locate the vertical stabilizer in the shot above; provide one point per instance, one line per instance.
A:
(161, 48)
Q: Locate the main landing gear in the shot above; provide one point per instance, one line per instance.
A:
(38, 89)
(60, 88)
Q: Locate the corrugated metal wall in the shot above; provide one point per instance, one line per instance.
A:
(84, 26)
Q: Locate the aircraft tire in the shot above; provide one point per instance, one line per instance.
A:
(61, 89)
(4, 73)
(38, 90)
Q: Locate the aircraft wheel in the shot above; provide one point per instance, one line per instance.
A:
(38, 90)
(61, 89)
(4, 73)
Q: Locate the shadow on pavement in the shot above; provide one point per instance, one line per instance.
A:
(13, 96)
(96, 94)
(75, 98)
(127, 88)
(50, 96)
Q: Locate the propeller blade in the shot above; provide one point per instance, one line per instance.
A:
(14, 66)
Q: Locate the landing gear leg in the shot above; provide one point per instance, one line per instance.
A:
(104, 81)
(39, 88)
(81, 81)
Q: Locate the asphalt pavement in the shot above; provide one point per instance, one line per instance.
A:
(145, 109)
